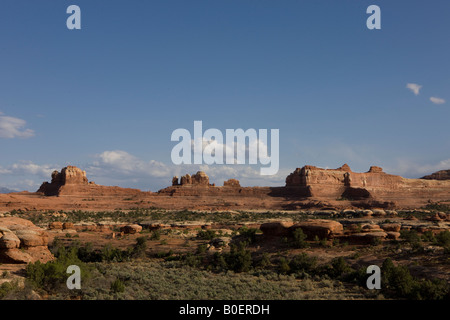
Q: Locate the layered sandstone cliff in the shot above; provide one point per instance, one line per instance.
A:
(343, 183)
(306, 186)
(73, 181)
(439, 175)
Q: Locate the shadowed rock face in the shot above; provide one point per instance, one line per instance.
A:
(439, 175)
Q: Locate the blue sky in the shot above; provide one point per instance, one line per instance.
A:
(107, 97)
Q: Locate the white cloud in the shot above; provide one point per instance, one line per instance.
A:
(436, 100)
(28, 168)
(118, 167)
(124, 169)
(11, 127)
(124, 164)
(408, 169)
(255, 146)
(414, 87)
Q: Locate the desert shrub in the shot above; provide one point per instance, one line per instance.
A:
(336, 269)
(397, 281)
(164, 254)
(443, 239)
(249, 234)
(264, 262)
(302, 263)
(140, 247)
(428, 236)
(323, 242)
(52, 275)
(299, 240)
(156, 235)
(86, 253)
(117, 286)
(201, 248)
(218, 262)
(111, 254)
(8, 287)
(192, 260)
(411, 237)
(283, 266)
(206, 234)
(239, 259)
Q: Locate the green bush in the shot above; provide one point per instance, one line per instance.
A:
(411, 237)
(239, 259)
(397, 281)
(249, 234)
(117, 286)
(283, 266)
(443, 239)
(206, 234)
(338, 268)
(299, 240)
(52, 275)
(428, 236)
(156, 235)
(139, 248)
(7, 287)
(302, 263)
(264, 262)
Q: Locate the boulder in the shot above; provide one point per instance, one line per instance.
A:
(68, 225)
(22, 242)
(393, 235)
(319, 227)
(8, 240)
(276, 229)
(394, 227)
(366, 238)
(55, 225)
(131, 229)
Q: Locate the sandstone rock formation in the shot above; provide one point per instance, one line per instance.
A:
(131, 229)
(73, 181)
(68, 175)
(22, 242)
(232, 183)
(439, 175)
(344, 183)
(276, 229)
(306, 187)
(323, 229)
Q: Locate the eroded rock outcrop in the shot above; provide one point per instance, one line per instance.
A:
(439, 175)
(69, 175)
(342, 183)
(73, 181)
(234, 183)
(22, 242)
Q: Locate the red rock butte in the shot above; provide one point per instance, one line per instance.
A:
(306, 187)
